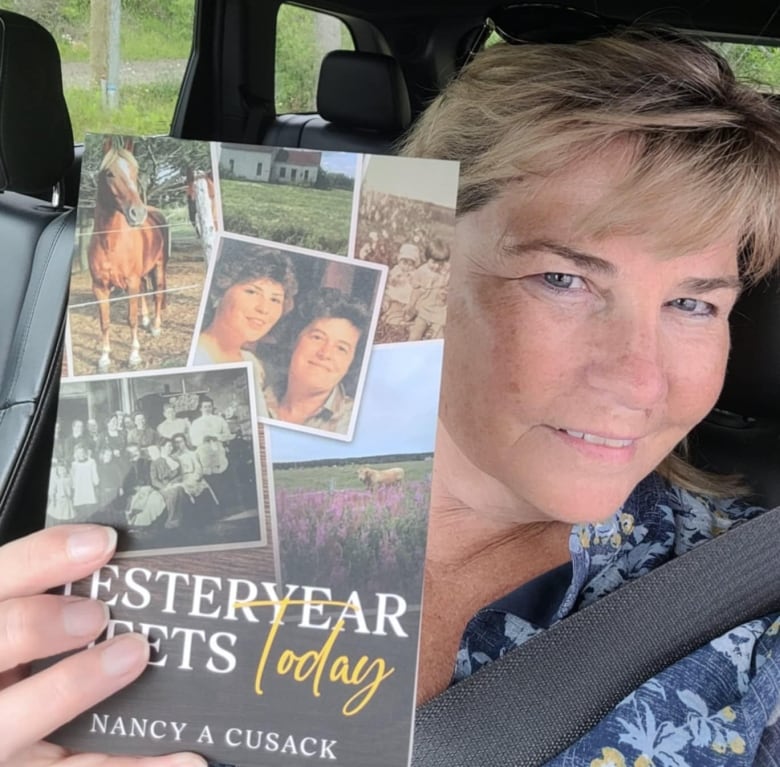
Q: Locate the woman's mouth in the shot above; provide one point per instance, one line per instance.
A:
(595, 439)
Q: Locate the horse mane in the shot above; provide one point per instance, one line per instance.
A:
(117, 153)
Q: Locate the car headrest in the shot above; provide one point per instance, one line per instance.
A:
(753, 375)
(36, 138)
(363, 91)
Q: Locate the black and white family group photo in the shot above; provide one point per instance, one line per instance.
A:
(171, 459)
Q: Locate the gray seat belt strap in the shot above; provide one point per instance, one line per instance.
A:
(527, 707)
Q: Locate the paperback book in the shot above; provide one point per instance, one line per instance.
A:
(249, 396)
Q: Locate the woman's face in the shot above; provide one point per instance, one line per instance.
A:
(323, 353)
(573, 366)
(248, 310)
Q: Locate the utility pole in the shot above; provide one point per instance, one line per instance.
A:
(104, 27)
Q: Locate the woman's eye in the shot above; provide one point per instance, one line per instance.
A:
(562, 281)
(695, 307)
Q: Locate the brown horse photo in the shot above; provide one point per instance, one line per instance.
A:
(128, 249)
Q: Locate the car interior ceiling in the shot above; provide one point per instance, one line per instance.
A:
(406, 51)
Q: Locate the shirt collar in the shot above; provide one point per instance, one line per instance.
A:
(333, 407)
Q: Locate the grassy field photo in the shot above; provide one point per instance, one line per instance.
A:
(335, 532)
(306, 217)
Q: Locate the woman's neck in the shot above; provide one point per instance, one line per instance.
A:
(298, 405)
(222, 344)
(482, 544)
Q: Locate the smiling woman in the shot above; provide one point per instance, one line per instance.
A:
(251, 288)
(583, 340)
(604, 233)
(329, 342)
(615, 195)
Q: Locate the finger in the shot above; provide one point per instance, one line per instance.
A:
(45, 625)
(52, 557)
(57, 694)
(48, 755)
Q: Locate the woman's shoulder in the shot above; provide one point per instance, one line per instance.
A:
(257, 364)
(700, 516)
(718, 705)
(207, 352)
(658, 522)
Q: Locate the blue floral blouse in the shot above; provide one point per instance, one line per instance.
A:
(718, 706)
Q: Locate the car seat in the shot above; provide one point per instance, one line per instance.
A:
(742, 433)
(36, 152)
(363, 106)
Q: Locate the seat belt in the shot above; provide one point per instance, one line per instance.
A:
(540, 698)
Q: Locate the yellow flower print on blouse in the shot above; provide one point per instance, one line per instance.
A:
(737, 744)
(727, 714)
(610, 757)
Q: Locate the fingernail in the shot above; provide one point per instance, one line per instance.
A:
(91, 543)
(84, 617)
(124, 653)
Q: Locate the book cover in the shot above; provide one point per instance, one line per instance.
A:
(249, 396)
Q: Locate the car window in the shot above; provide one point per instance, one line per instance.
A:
(758, 64)
(303, 38)
(122, 62)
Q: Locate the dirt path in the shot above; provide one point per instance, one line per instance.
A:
(76, 74)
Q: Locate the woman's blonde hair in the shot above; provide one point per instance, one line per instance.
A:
(704, 148)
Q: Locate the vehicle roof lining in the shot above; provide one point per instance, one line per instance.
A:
(756, 22)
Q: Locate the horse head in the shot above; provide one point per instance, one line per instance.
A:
(117, 185)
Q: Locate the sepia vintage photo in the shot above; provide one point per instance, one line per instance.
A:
(406, 221)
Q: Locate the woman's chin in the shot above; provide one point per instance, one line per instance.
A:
(582, 502)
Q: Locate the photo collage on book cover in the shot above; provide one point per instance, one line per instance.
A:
(240, 316)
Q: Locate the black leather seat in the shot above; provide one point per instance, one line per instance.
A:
(742, 434)
(36, 244)
(363, 106)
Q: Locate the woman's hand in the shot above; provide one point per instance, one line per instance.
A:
(38, 625)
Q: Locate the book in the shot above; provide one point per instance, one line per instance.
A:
(249, 395)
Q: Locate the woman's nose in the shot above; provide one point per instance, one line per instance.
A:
(261, 304)
(629, 366)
